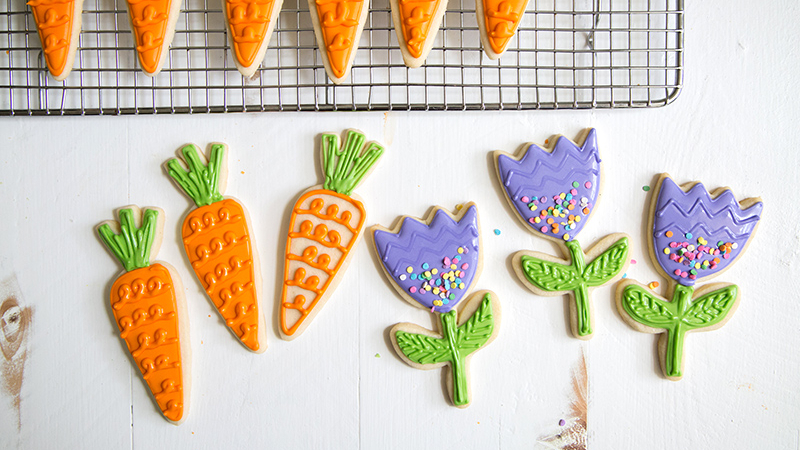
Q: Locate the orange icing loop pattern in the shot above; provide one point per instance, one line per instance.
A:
(249, 21)
(339, 22)
(54, 21)
(149, 20)
(416, 18)
(216, 237)
(502, 18)
(315, 285)
(146, 313)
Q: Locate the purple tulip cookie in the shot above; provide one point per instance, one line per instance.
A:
(693, 234)
(433, 263)
(553, 191)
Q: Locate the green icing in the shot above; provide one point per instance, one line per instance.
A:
(346, 166)
(132, 245)
(456, 344)
(201, 182)
(679, 316)
(578, 277)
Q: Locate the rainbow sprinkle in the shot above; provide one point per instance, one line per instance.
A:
(441, 283)
(567, 209)
(691, 254)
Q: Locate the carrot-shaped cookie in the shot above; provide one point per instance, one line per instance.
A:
(553, 191)
(149, 308)
(692, 235)
(433, 263)
(416, 23)
(153, 25)
(59, 24)
(338, 25)
(250, 24)
(219, 243)
(324, 228)
(498, 21)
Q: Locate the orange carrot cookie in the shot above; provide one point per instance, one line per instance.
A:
(59, 24)
(250, 24)
(498, 21)
(149, 308)
(338, 25)
(219, 244)
(153, 25)
(416, 23)
(324, 228)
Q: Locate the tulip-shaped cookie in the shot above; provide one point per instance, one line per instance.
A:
(693, 235)
(553, 192)
(433, 263)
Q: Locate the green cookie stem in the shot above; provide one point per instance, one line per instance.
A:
(681, 315)
(460, 391)
(580, 292)
(577, 277)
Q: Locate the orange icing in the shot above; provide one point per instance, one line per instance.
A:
(54, 21)
(502, 18)
(248, 23)
(145, 308)
(339, 23)
(149, 19)
(416, 16)
(317, 258)
(217, 242)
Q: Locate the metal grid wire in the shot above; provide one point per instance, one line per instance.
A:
(567, 54)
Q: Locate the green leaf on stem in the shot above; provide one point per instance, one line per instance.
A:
(549, 276)
(710, 309)
(477, 330)
(608, 264)
(423, 349)
(647, 309)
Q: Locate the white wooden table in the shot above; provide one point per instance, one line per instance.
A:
(340, 385)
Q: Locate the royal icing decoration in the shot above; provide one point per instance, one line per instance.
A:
(219, 244)
(338, 25)
(694, 235)
(324, 228)
(153, 23)
(498, 21)
(416, 23)
(58, 23)
(554, 191)
(250, 25)
(145, 304)
(433, 263)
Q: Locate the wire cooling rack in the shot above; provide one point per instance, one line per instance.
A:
(567, 54)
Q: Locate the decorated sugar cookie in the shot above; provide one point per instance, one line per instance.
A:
(250, 24)
(219, 243)
(149, 308)
(338, 25)
(324, 229)
(498, 21)
(416, 23)
(434, 263)
(553, 191)
(59, 24)
(692, 235)
(153, 25)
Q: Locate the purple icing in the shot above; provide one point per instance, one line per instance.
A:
(707, 234)
(432, 248)
(537, 181)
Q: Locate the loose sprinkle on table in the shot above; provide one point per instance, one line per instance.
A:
(497, 232)
(645, 188)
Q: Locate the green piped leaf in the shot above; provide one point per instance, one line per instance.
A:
(423, 349)
(710, 309)
(477, 330)
(647, 309)
(608, 264)
(345, 167)
(549, 276)
(132, 246)
(201, 182)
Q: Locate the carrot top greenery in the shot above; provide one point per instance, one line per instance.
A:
(132, 245)
(345, 167)
(201, 182)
